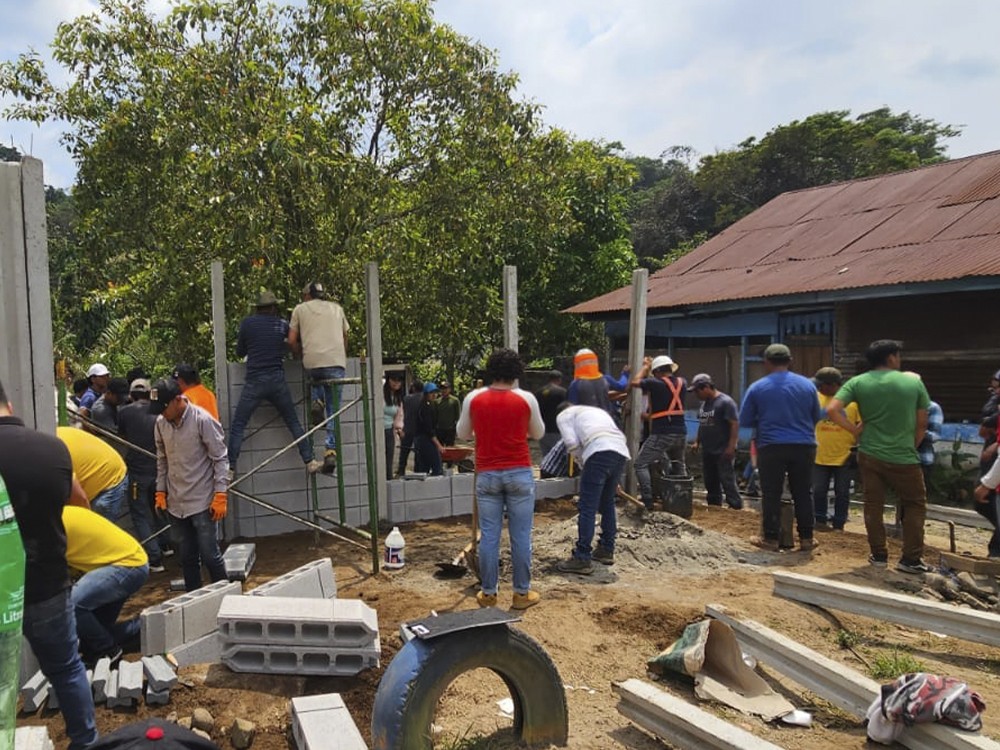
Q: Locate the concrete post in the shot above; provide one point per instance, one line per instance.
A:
(26, 370)
(373, 311)
(510, 338)
(232, 522)
(636, 351)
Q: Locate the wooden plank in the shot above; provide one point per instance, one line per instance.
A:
(971, 563)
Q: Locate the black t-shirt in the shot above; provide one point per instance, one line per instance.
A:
(715, 417)
(426, 420)
(38, 473)
(662, 398)
(549, 399)
(136, 423)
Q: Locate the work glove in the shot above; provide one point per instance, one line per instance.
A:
(160, 501)
(218, 508)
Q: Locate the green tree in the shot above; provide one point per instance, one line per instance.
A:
(302, 142)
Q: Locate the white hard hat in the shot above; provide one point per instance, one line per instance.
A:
(663, 361)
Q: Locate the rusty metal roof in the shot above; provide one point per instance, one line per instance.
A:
(935, 223)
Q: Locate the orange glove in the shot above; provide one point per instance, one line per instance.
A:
(218, 508)
(160, 501)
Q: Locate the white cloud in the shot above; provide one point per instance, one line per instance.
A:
(657, 73)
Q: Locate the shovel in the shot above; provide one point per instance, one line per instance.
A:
(468, 558)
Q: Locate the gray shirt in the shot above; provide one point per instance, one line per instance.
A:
(191, 461)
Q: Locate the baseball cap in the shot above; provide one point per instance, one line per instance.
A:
(164, 391)
(828, 376)
(314, 289)
(97, 370)
(118, 386)
(777, 353)
(663, 361)
(702, 378)
(430, 388)
(153, 734)
(139, 385)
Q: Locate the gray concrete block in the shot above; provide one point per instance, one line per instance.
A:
(461, 505)
(203, 607)
(267, 659)
(312, 580)
(350, 454)
(239, 560)
(156, 697)
(102, 673)
(328, 717)
(32, 738)
(332, 623)
(204, 650)
(111, 689)
(419, 510)
(36, 699)
(36, 682)
(432, 488)
(161, 628)
(130, 680)
(462, 484)
(159, 673)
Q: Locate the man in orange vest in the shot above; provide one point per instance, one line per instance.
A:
(667, 430)
(194, 390)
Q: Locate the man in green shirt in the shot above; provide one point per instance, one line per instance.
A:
(894, 420)
(447, 409)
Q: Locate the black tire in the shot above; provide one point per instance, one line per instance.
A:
(408, 693)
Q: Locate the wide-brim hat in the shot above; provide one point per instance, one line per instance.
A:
(267, 299)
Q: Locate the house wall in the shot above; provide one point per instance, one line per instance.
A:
(947, 338)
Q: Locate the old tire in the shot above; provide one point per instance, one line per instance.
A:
(408, 693)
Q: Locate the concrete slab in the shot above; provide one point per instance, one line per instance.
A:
(313, 727)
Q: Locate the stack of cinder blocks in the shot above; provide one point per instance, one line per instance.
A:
(297, 635)
(316, 719)
(185, 625)
(114, 687)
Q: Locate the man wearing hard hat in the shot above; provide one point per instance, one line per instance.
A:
(667, 429)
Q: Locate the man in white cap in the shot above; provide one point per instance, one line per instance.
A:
(98, 377)
(667, 429)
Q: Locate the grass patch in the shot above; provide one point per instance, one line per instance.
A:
(847, 639)
(888, 665)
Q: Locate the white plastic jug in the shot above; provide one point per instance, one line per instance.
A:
(394, 552)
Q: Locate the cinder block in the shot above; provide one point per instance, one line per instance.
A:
(161, 627)
(330, 623)
(36, 682)
(461, 505)
(102, 673)
(312, 727)
(130, 680)
(239, 560)
(159, 674)
(202, 609)
(266, 659)
(313, 580)
(204, 650)
(111, 689)
(432, 488)
(36, 699)
(349, 454)
(396, 490)
(462, 484)
(183, 618)
(420, 510)
(156, 697)
(32, 738)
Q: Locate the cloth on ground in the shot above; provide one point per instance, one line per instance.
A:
(919, 698)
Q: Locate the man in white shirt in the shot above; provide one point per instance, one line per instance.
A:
(594, 440)
(318, 331)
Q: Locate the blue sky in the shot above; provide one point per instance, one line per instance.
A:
(701, 73)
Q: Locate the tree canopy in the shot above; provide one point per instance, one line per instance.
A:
(300, 142)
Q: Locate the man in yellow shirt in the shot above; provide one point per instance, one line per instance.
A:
(189, 380)
(101, 471)
(833, 453)
(114, 566)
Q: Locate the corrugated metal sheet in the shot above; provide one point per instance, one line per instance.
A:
(895, 229)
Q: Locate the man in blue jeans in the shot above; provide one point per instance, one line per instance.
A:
(191, 479)
(114, 566)
(38, 473)
(593, 438)
(502, 417)
(318, 331)
(263, 340)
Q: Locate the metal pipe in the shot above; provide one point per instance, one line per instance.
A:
(370, 465)
(293, 517)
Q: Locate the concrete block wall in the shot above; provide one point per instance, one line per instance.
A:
(314, 579)
(184, 618)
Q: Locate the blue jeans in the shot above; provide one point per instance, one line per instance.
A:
(841, 476)
(601, 474)
(195, 539)
(112, 503)
(273, 388)
(98, 598)
(655, 448)
(512, 490)
(142, 493)
(50, 628)
(324, 392)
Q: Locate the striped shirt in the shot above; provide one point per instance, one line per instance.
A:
(262, 341)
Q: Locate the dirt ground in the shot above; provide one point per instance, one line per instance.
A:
(598, 629)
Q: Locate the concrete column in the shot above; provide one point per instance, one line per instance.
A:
(373, 311)
(26, 370)
(510, 338)
(636, 351)
(232, 522)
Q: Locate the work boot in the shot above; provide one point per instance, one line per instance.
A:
(525, 600)
(317, 411)
(486, 600)
(315, 465)
(604, 555)
(807, 545)
(575, 565)
(330, 462)
(769, 545)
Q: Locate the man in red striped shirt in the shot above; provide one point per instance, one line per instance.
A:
(503, 417)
